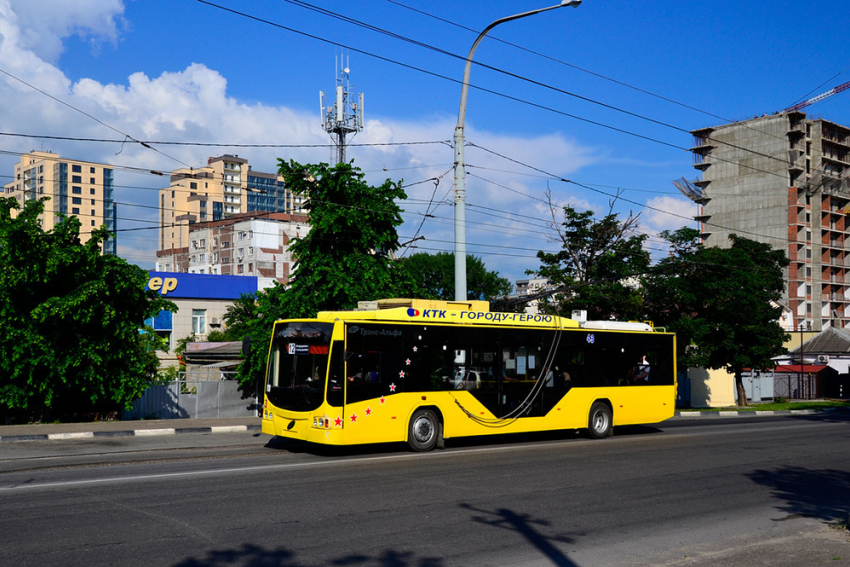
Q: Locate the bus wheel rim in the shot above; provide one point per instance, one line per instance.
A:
(423, 429)
(600, 421)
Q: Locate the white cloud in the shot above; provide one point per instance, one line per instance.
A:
(193, 105)
(44, 24)
(671, 213)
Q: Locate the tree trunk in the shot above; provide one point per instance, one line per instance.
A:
(742, 393)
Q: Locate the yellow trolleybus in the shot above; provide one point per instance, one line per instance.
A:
(423, 371)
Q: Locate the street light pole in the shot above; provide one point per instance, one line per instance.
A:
(460, 173)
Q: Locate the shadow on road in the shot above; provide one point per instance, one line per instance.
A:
(257, 556)
(524, 525)
(823, 494)
(296, 446)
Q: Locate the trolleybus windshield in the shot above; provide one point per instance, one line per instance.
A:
(298, 365)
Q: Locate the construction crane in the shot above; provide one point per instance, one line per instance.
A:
(820, 97)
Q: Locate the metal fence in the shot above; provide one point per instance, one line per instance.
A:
(794, 386)
(193, 399)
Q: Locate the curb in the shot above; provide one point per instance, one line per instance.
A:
(129, 433)
(750, 413)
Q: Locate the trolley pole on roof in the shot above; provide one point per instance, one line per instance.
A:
(460, 173)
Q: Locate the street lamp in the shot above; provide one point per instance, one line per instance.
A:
(460, 174)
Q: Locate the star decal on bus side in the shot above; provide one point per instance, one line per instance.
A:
(354, 418)
(415, 349)
(338, 422)
(368, 411)
(407, 362)
(383, 400)
(392, 387)
(401, 374)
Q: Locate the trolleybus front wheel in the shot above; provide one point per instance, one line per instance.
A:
(600, 421)
(424, 430)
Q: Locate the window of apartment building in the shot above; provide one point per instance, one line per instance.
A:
(808, 235)
(199, 321)
(91, 191)
(75, 211)
(77, 190)
(193, 259)
(225, 260)
(808, 272)
(808, 290)
(76, 201)
(240, 252)
(92, 202)
(250, 268)
(808, 253)
(225, 244)
(76, 179)
(193, 185)
(240, 269)
(77, 168)
(92, 181)
(92, 212)
(250, 234)
(202, 243)
(172, 196)
(92, 222)
(250, 251)
(41, 169)
(242, 235)
(215, 257)
(91, 170)
(41, 179)
(203, 257)
(203, 204)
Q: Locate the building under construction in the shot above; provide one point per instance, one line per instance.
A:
(784, 180)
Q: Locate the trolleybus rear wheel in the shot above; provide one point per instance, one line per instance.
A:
(424, 430)
(599, 423)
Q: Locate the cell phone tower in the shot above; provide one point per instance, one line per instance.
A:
(345, 116)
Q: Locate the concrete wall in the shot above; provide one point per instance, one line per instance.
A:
(711, 388)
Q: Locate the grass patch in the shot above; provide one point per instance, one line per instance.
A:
(773, 406)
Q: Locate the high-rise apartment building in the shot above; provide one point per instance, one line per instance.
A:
(226, 186)
(76, 188)
(784, 180)
(242, 245)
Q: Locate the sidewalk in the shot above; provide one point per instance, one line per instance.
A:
(58, 431)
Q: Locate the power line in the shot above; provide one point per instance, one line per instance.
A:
(483, 89)
(126, 136)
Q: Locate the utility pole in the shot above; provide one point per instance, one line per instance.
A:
(343, 117)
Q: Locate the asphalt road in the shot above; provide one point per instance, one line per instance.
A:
(750, 491)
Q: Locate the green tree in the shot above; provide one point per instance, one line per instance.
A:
(239, 316)
(346, 257)
(598, 263)
(434, 276)
(71, 319)
(721, 302)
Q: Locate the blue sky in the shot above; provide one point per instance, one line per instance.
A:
(186, 71)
